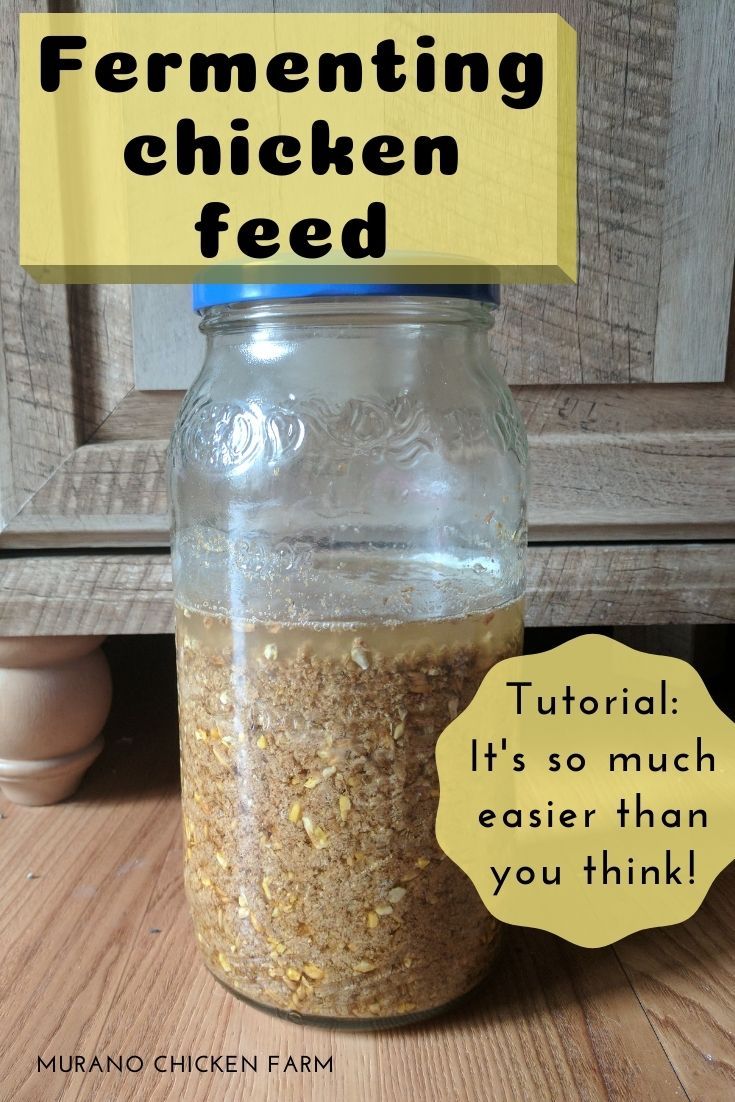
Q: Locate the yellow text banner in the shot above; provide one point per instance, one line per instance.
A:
(155, 148)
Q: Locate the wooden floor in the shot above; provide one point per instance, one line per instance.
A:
(98, 958)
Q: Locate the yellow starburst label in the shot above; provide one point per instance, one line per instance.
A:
(589, 790)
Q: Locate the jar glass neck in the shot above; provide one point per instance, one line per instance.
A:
(361, 310)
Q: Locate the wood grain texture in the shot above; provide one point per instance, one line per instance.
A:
(97, 890)
(65, 353)
(591, 586)
(68, 595)
(684, 977)
(699, 214)
(78, 467)
(35, 350)
(635, 175)
(68, 355)
(102, 959)
(656, 142)
(563, 410)
(541, 1031)
(606, 463)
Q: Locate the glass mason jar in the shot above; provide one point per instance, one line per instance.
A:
(348, 486)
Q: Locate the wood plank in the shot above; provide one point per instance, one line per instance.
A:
(142, 415)
(603, 330)
(593, 585)
(656, 152)
(65, 353)
(77, 594)
(35, 348)
(584, 585)
(684, 976)
(67, 934)
(565, 410)
(698, 245)
(564, 1007)
(103, 495)
(553, 1021)
(607, 463)
(574, 1028)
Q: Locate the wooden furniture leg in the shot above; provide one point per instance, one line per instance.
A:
(55, 694)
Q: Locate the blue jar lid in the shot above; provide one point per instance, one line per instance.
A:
(219, 294)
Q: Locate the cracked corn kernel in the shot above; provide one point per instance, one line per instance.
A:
(317, 836)
(345, 804)
(423, 863)
(224, 962)
(265, 885)
(293, 974)
(294, 812)
(359, 656)
(395, 895)
(222, 860)
(383, 909)
(270, 652)
(372, 920)
(312, 782)
(364, 966)
(313, 971)
(262, 742)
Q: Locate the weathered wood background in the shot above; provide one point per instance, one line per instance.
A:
(620, 470)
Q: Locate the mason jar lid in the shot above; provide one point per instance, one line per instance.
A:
(220, 294)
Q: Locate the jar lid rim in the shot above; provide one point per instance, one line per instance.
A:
(221, 294)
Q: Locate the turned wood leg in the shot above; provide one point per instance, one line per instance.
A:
(55, 694)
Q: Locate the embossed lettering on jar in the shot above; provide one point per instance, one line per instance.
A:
(348, 487)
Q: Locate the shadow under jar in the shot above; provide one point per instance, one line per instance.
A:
(348, 486)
